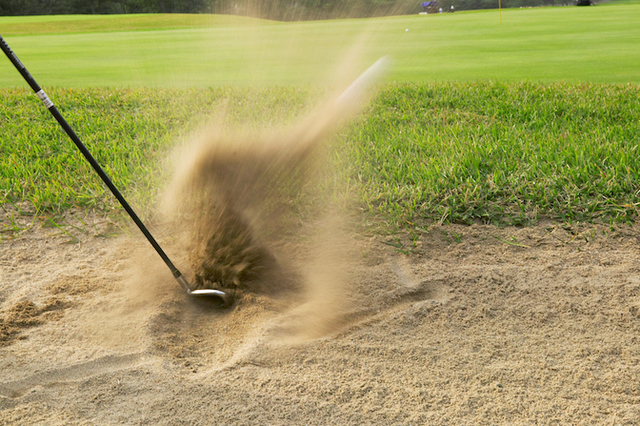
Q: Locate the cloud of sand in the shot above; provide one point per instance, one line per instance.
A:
(231, 203)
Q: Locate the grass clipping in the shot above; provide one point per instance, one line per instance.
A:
(232, 192)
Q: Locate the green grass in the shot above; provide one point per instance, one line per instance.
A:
(503, 124)
(495, 152)
(570, 44)
(502, 153)
(129, 132)
(71, 24)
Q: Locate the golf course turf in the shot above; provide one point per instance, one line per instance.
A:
(475, 120)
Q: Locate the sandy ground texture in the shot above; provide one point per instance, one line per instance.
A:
(469, 325)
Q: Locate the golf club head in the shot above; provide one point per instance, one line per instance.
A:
(215, 298)
(206, 296)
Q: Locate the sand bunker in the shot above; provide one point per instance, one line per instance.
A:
(468, 329)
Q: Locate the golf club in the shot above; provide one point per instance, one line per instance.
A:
(216, 297)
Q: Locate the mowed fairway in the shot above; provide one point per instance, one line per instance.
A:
(569, 44)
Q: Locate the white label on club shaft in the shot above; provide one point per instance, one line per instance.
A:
(44, 98)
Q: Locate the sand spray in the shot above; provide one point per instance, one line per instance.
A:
(230, 204)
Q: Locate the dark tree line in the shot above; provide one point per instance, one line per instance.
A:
(271, 9)
(291, 10)
(57, 7)
(493, 4)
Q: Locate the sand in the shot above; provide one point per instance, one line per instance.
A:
(478, 325)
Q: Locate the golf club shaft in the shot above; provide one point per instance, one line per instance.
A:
(87, 155)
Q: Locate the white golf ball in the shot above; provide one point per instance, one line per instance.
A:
(407, 29)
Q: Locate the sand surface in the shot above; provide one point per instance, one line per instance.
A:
(478, 325)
